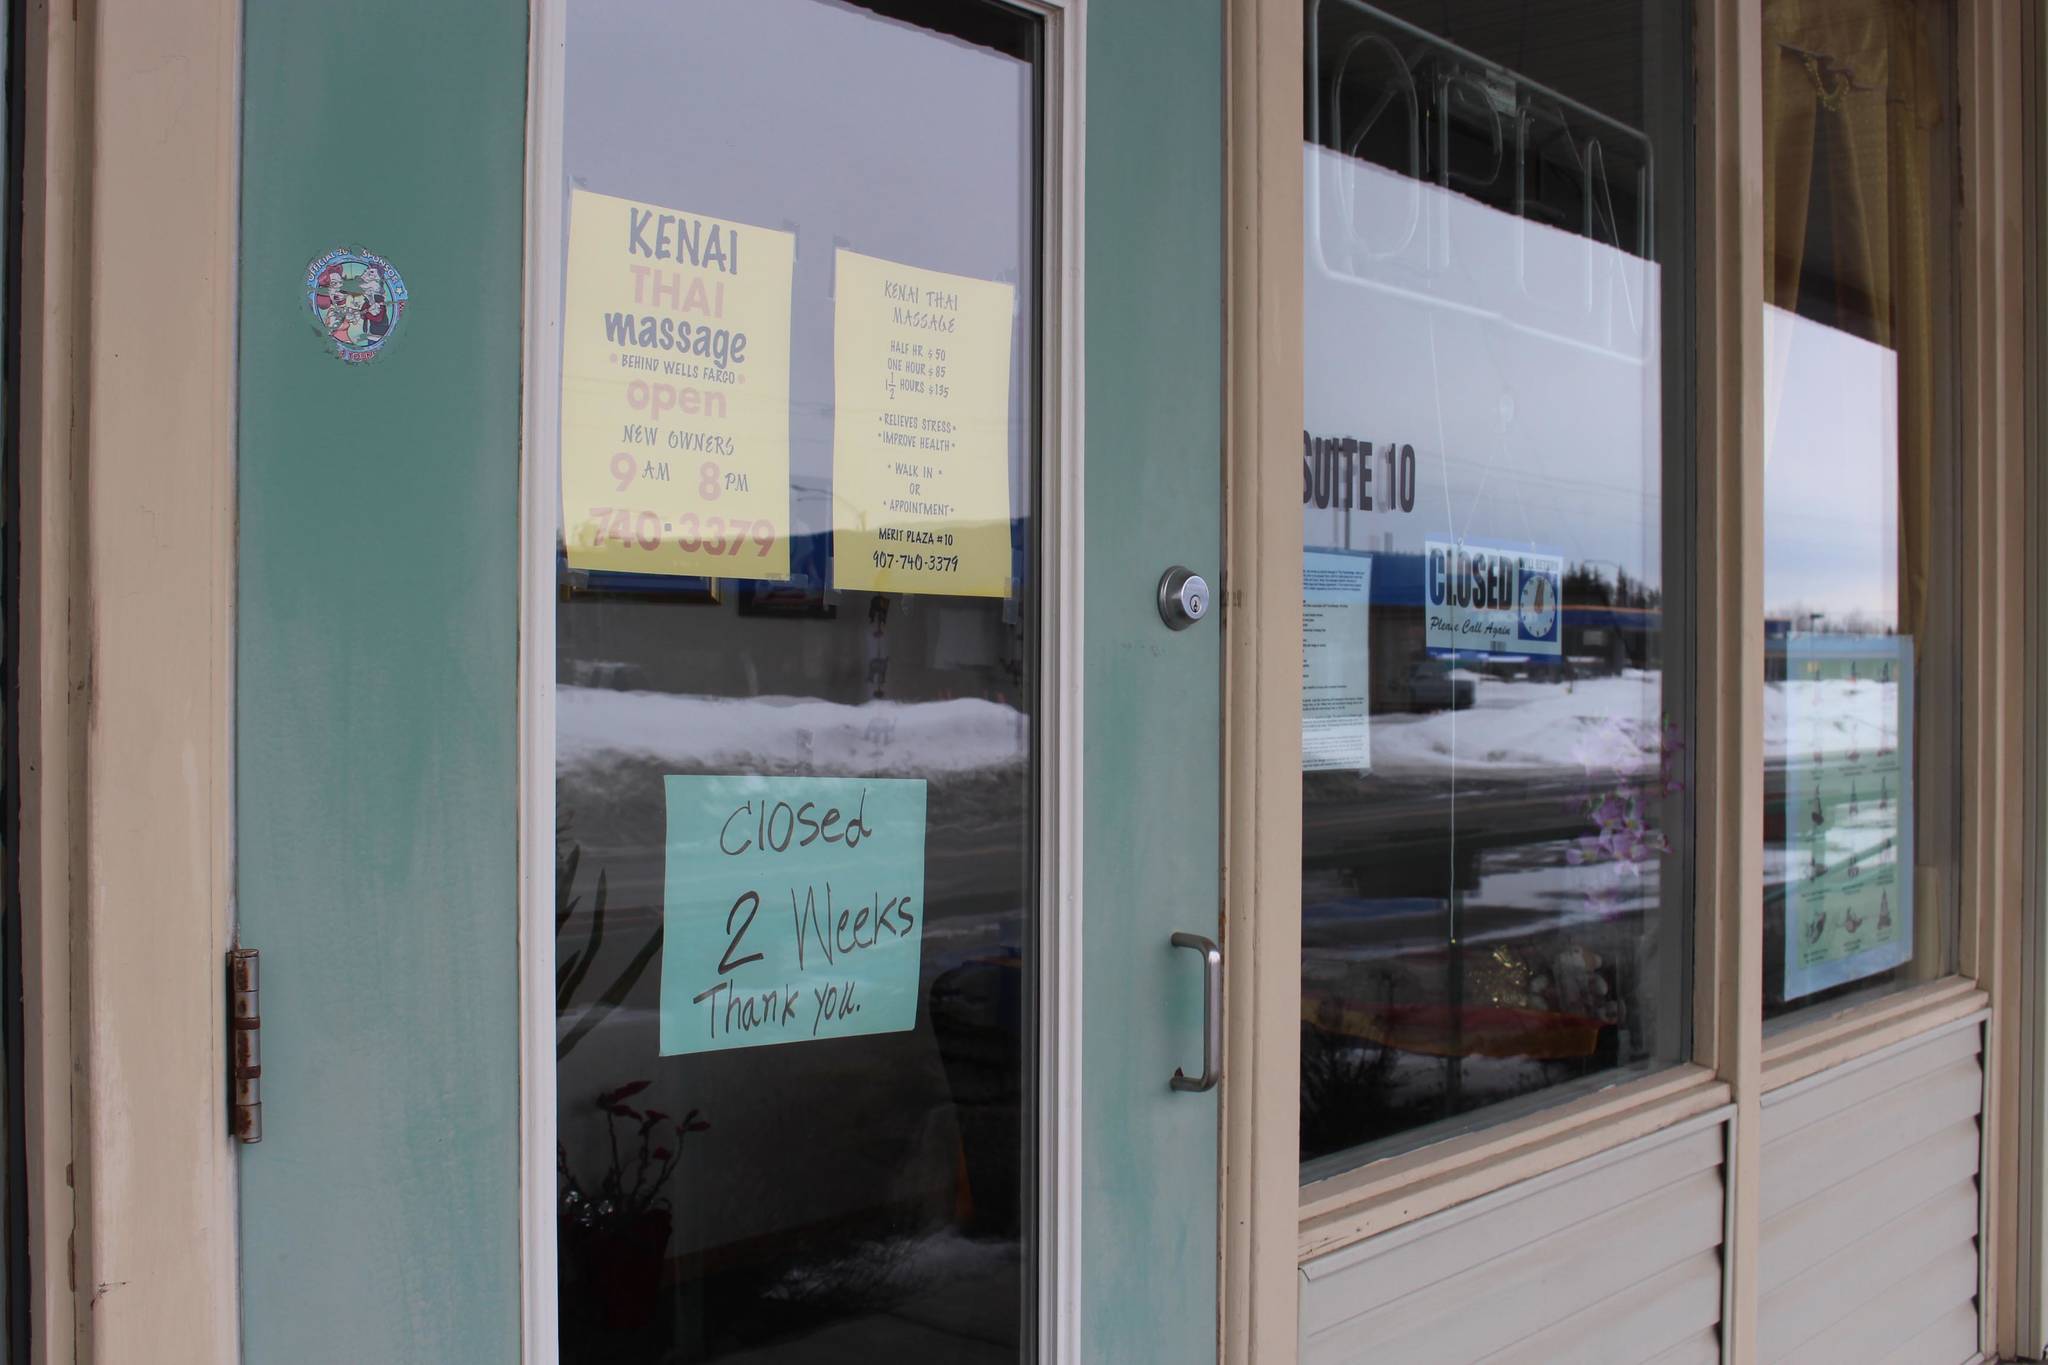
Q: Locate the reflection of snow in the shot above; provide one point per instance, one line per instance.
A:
(1841, 715)
(899, 1264)
(788, 734)
(1611, 724)
(1563, 895)
(1592, 724)
(1521, 893)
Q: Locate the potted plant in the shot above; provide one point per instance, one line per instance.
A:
(614, 1232)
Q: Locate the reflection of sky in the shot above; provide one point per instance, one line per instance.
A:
(1831, 473)
(1521, 362)
(665, 104)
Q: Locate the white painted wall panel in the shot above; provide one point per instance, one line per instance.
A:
(1870, 1203)
(1615, 1260)
(1951, 1337)
(1701, 1349)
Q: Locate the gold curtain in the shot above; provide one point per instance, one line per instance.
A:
(1858, 77)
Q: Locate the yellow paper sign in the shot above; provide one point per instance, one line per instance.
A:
(920, 430)
(675, 392)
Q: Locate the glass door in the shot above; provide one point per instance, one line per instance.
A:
(864, 777)
(798, 680)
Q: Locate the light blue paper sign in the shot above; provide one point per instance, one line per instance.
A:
(1849, 865)
(793, 910)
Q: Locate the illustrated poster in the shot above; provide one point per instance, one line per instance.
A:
(1848, 808)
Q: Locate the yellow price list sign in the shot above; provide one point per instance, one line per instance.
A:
(920, 430)
(675, 392)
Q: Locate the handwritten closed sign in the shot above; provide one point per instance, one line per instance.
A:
(794, 910)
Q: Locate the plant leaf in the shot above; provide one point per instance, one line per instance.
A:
(565, 990)
(565, 877)
(612, 998)
(562, 970)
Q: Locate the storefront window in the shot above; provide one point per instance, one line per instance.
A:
(1496, 705)
(1860, 500)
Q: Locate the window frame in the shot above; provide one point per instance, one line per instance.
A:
(125, 666)
(1731, 1063)
(2029, 1128)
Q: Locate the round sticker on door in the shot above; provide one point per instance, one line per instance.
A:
(357, 300)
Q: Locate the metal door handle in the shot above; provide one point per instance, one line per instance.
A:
(1212, 1015)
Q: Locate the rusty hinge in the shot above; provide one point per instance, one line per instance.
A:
(245, 1048)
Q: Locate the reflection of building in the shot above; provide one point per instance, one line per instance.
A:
(1604, 630)
(933, 646)
(1777, 631)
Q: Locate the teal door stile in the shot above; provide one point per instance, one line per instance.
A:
(376, 711)
(1154, 280)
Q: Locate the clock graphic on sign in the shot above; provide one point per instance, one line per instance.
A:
(1538, 607)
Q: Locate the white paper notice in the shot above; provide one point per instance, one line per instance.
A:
(1831, 473)
(1336, 662)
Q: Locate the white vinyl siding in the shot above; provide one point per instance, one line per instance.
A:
(1615, 1259)
(1871, 1208)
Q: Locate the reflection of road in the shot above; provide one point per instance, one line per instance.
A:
(1449, 938)
(1508, 907)
(1444, 880)
(1403, 819)
(935, 1306)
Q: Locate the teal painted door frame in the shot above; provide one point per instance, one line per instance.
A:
(376, 765)
(377, 702)
(1153, 697)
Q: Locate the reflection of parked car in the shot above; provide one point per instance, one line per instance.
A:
(1432, 686)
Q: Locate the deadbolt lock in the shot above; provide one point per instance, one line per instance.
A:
(1183, 597)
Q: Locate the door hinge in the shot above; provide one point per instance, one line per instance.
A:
(245, 1048)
